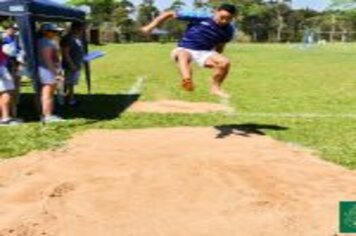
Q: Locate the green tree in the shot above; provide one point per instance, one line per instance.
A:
(101, 10)
(278, 12)
(177, 4)
(253, 20)
(200, 4)
(345, 4)
(296, 22)
(122, 12)
(175, 27)
(122, 17)
(147, 11)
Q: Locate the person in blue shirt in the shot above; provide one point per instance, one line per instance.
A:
(11, 47)
(203, 42)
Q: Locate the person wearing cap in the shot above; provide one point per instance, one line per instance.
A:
(72, 53)
(203, 42)
(50, 72)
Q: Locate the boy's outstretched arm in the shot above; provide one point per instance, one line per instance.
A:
(163, 17)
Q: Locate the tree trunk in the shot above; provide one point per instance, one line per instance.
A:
(333, 28)
(280, 28)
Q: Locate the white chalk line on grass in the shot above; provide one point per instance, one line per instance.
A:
(137, 87)
(231, 111)
(296, 115)
(305, 115)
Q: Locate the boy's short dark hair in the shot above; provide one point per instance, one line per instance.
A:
(232, 9)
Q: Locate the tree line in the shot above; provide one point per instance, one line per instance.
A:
(259, 21)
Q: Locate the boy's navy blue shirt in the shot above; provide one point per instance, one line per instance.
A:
(203, 33)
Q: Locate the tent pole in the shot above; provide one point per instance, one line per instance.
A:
(87, 64)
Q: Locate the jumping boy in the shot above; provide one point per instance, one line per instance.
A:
(203, 42)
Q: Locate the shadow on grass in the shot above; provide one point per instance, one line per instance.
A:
(246, 129)
(96, 107)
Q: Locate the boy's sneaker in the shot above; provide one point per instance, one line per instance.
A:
(52, 119)
(10, 122)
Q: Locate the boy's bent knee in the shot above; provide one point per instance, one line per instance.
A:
(224, 63)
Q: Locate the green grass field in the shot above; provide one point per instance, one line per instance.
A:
(309, 94)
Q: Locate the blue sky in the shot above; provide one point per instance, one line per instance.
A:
(315, 4)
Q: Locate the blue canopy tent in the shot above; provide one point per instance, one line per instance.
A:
(27, 13)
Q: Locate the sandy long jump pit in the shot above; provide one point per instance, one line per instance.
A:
(172, 182)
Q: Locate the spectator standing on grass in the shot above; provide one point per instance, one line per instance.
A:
(50, 70)
(12, 50)
(73, 52)
(7, 88)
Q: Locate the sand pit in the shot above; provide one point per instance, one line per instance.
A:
(176, 182)
(173, 106)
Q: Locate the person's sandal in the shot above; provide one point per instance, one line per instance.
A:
(188, 85)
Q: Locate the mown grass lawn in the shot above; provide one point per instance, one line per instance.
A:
(311, 93)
